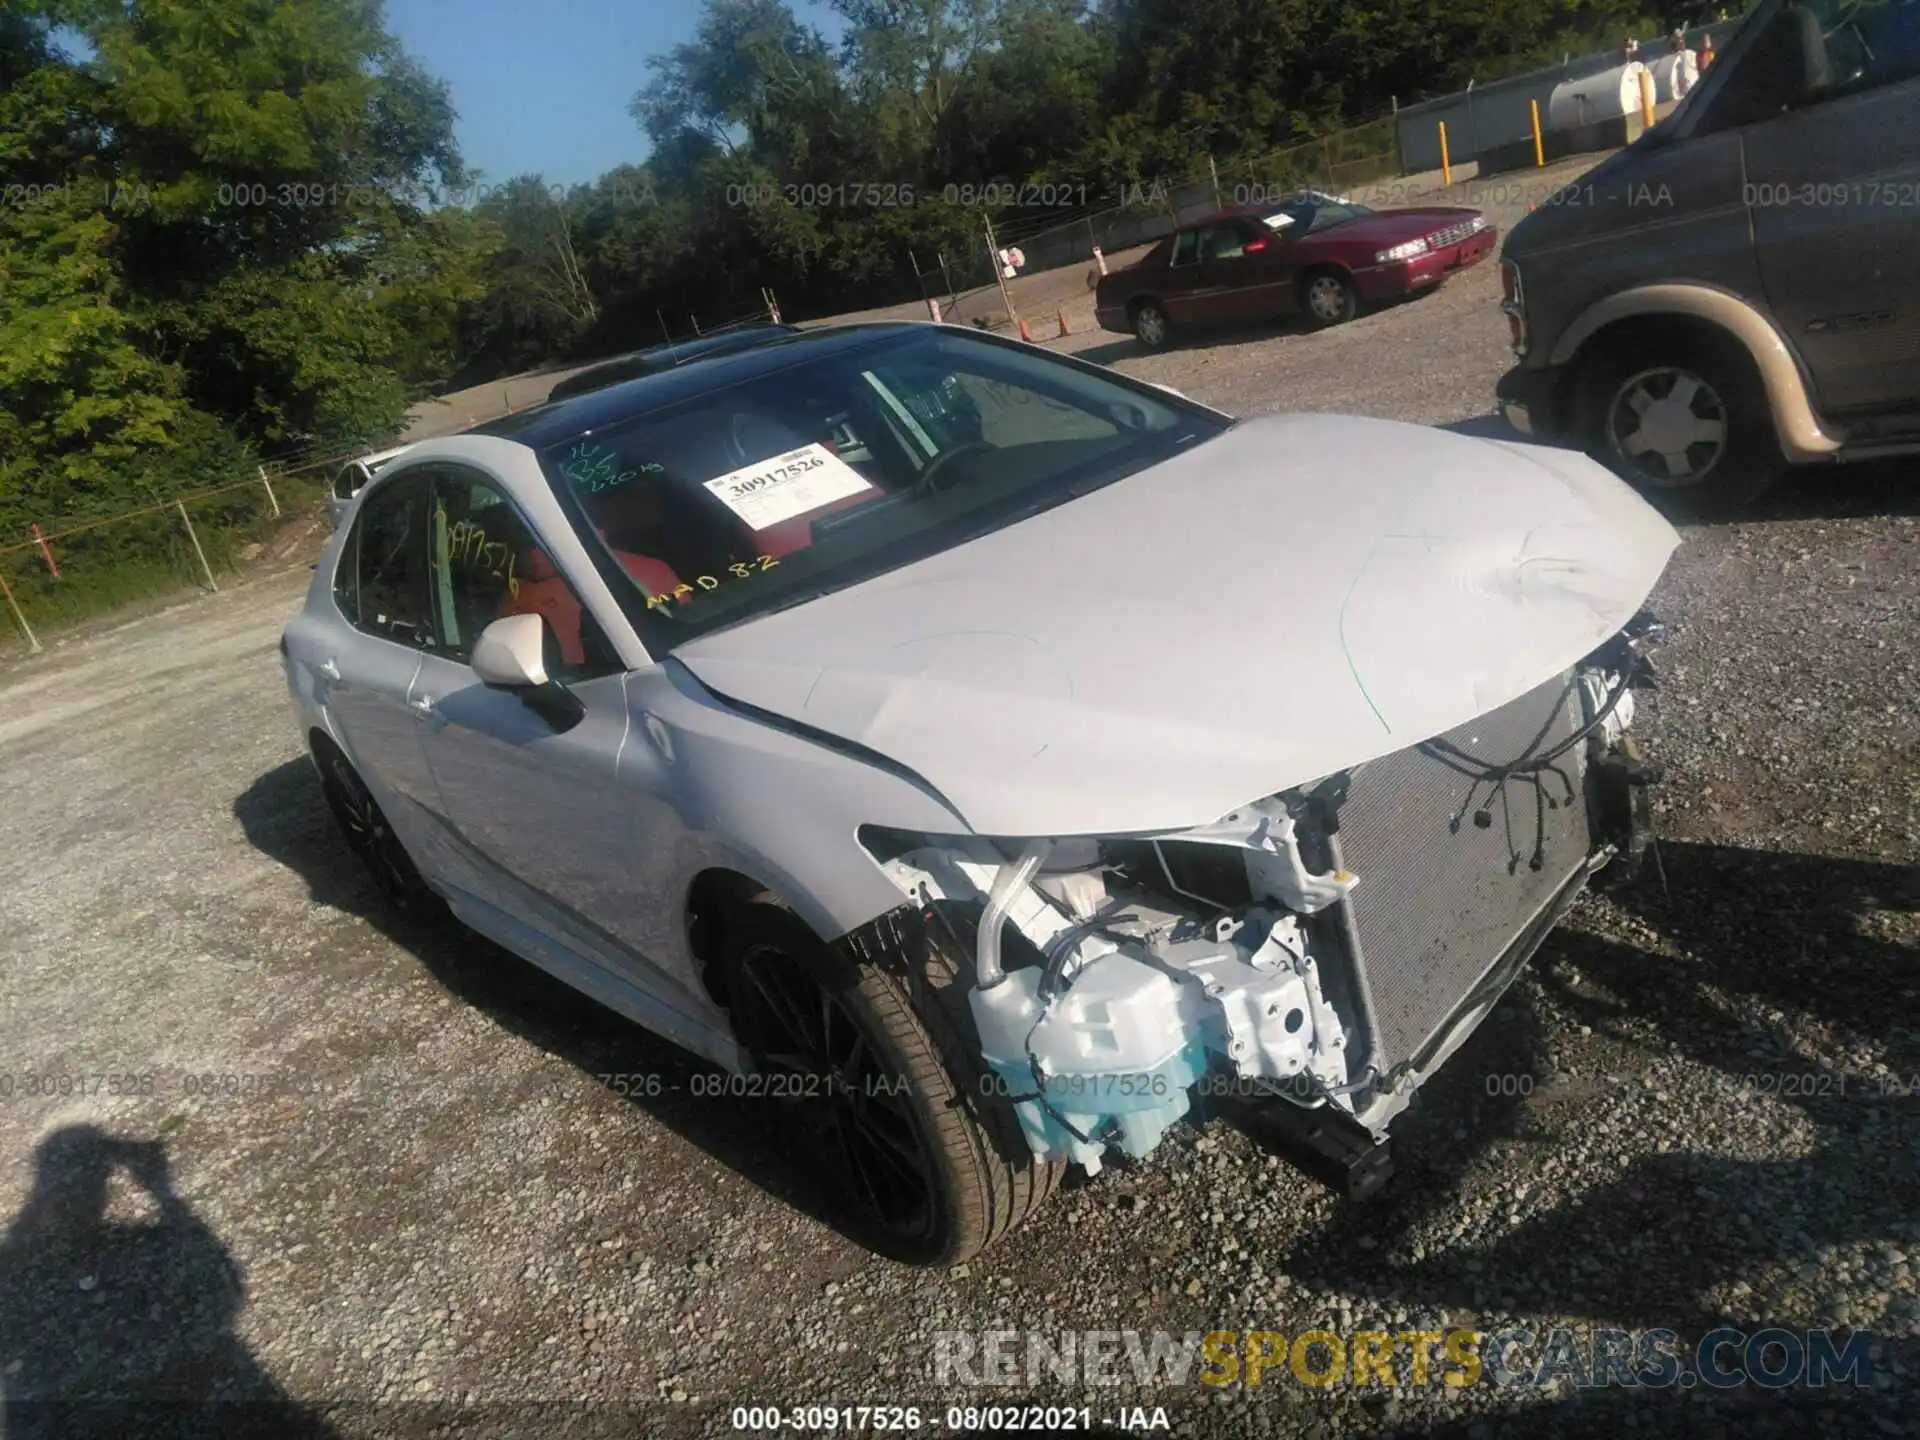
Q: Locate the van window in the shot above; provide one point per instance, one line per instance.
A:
(1868, 44)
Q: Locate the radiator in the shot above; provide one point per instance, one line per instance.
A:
(1439, 897)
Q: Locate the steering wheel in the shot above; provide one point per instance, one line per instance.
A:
(926, 485)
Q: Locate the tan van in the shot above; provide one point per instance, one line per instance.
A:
(1739, 290)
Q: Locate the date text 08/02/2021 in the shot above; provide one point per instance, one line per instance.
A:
(959, 1419)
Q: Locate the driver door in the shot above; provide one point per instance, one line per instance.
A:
(1240, 262)
(530, 802)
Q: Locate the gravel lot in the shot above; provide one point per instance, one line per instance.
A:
(414, 1204)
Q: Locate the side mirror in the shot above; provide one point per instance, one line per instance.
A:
(511, 655)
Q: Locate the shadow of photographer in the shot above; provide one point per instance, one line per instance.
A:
(121, 1304)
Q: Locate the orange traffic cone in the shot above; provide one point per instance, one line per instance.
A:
(1025, 333)
(1062, 312)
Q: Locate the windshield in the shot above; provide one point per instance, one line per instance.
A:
(1866, 43)
(776, 489)
(1669, 125)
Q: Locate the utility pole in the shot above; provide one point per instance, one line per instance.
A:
(920, 279)
(1000, 272)
(33, 644)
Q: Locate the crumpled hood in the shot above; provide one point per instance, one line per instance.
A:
(1296, 596)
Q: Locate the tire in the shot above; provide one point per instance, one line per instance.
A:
(370, 837)
(1684, 420)
(905, 999)
(1327, 298)
(1151, 327)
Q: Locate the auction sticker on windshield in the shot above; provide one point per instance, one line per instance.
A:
(783, 486)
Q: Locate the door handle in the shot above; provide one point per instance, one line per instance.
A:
(329, 670)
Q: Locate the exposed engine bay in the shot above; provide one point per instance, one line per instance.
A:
(1325, 948)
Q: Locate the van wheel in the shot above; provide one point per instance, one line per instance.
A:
(1687, 424)
(1150, 325)
(873, 1046)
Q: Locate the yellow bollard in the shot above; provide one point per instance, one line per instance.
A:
(1646, 98)
(1539, 151)
(1446, 170)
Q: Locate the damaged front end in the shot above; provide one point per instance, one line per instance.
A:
(1322, 950)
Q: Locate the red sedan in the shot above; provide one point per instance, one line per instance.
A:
(1315, 255)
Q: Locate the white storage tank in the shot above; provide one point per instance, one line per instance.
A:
(1606, 96)
(1674, 75)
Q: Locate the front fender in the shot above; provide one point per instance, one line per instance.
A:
(754, 796)
(1802, 436)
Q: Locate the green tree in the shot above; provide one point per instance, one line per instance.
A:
(757, 108)
(81, 397)
(244, 161)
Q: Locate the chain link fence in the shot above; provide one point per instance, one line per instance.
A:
(59, 572)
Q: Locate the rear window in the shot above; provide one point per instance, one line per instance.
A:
(772, 490)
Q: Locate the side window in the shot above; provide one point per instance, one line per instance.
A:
(381, 585)
(487, 563)
(1186, 248)
(1844, 46)
(1222, 242)
(1869, 44)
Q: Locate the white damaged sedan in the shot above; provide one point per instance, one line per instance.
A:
(988, 753)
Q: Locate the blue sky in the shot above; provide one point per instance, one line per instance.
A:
(543, 85)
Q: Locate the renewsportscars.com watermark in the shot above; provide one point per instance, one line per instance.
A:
(1772, 1358)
